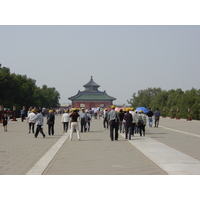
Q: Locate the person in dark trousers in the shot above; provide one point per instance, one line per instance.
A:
(113, 118)
(30, 120)
(128, 118)
(22, 113)
(51, 122)
(157, 117)
(5, 121)
(105, 118)
(150, 114)
(65, 121)
(88, 122)
(39, 123)
(84, 119)
(141, 121)
(121, 117)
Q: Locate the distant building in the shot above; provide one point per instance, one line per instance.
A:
(91, 97)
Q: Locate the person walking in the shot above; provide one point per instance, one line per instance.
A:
(128, 118)
(157, 117)
(134, 116)
(51, 122)
(121, 118)
(141, 121)
(22, 113)
(74, 124)
(65, 121)
(5, 121)
(31, 121)
(88, 122)
(84, 119)
(113, 118)
(150, 114)
(136, 129)
(39, 123)
(105, 118)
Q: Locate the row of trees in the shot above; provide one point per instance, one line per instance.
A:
(18, 90)
(158, 98)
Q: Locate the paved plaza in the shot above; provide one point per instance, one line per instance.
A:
(171, 149)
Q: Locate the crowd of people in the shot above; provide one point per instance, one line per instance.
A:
(70, 120)
(129, 121)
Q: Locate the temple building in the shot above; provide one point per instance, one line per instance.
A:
(91, 97)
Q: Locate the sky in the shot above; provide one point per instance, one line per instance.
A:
(126, 46)
(122, 59)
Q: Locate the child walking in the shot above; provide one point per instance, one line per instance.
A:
(5, 121)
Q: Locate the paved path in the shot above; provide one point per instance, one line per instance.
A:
(95, 154)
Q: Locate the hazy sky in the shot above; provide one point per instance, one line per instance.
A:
(121, 59)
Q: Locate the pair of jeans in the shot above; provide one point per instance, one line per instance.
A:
(150, 121)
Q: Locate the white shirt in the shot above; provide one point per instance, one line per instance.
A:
(31, 117)
(65, 117)
(39, 119)
(134, 115)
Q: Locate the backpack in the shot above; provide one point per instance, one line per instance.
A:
(140, 121)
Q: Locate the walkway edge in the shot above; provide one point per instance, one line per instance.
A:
(172, 161)
(42, 164)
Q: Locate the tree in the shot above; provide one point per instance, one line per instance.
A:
(157, 98)
(21, 91)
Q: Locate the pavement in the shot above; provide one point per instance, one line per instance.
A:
(170, 149)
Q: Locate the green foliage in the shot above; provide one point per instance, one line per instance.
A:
(176, 99)
(21, 91)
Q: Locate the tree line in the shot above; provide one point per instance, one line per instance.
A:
(177, 100)
(18, 90)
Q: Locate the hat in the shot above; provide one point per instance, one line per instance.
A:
(112, 106)
(141, 111)
(32, 110)
(50, 111)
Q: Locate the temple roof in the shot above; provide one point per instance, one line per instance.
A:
(91, 93)
(91, 85)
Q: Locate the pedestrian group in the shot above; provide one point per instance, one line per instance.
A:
(129, 121)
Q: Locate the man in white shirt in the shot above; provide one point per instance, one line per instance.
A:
(39, 122)
(65, 121)
(31, 121)
(134, 116)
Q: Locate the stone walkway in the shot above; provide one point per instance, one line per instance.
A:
(95, 154)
